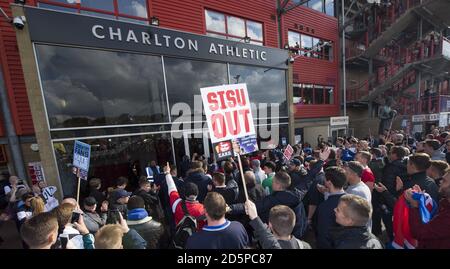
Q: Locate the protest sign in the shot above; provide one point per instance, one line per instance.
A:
(228, 112)
(288, 152)
(229, 116)
(81, 158)
(247, 144)
(223, 150)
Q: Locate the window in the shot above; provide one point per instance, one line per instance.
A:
(316, 5)
(324, 6)
(233, 28)
(329, 7)
(309, 46)
(115, 88)
(113, 157)
(186, 77)
(264, 87)
(311, 94)
(124, 10)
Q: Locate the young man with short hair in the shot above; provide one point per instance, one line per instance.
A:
(432, 148)
(334, 181)
(269, 169)
(93, 220)
(41, 231)
(417, 167)
(353, 213)
(353, 171)
(220, 233)
(229, 194)
(437, 170)
(149, 193)
(278, 234)
(260, 176)
(367, 175)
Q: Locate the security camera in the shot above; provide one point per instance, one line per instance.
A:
(19, 22)
(291, 60)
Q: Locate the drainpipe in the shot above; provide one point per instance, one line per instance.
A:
(13, 139)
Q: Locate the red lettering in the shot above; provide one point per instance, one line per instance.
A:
(212, 101)
(233, 129)
(218, 126)
(240, 96)
(245, 113)
(222, 100)
(231, 100)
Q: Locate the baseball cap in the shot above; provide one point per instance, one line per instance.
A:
(117, 194)
(295, 162)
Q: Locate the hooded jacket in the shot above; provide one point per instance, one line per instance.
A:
(199, 178)
(150, 230)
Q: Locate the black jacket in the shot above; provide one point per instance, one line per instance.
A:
(391, 171)
(228, 194)
(425, 183)
(255, 193)
(202, 181)
(152, 204)
(326, 219)
(377, 167)
(151, 231)
(354, 238)
(299, 179)
(263, 206)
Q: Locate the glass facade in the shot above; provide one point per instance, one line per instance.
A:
(313, 94)
(84, 87)
(113, 157)
(324, 6)
(124, 10)
(233, 28)
(310, 46)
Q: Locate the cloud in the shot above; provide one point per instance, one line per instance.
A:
(215, 21)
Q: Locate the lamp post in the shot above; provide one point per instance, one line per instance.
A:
(344, 79)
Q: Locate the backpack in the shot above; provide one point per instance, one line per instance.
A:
(301, 224)
(185, 228)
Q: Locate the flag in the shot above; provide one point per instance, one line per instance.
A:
(427, 206)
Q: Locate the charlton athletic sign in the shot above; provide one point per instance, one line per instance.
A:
(228, 112)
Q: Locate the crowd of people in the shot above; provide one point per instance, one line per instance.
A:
(388, 192)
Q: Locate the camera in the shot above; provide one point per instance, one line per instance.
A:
(19, 22)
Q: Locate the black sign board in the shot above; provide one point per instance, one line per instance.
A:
(223, 150)
(48, 26)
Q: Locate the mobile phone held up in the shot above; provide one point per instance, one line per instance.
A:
(75, 217)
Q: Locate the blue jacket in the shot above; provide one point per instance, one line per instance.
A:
(326, 219)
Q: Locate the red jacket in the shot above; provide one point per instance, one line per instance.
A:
(436, 233)
(194, 208)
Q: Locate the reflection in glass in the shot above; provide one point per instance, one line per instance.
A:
(294, 39)
(133, 20)
(254, 30)
(329, 95)
(236, 26)
(316, 5)
(97, 14)
(58, 8)
(329, 7)
(215, 21)
(136, 8)
(114, 157)
(263, 87)
(107, 5)
(318, 95)
(306, 45)
(186, 77)
(85, 87)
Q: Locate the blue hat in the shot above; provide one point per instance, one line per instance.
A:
(309, 158)
(308, 151)
(296, 162)
(117, 194)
